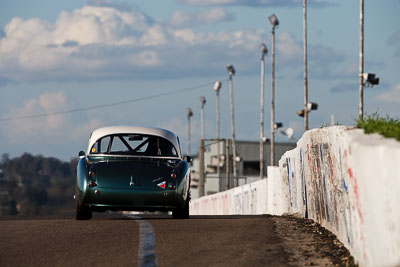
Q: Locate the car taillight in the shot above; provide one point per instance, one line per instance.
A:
(92, 184)
(173, 175)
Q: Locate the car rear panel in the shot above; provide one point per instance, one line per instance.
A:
(133, 174)
(133, 183)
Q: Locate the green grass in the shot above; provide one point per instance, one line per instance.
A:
(386, 126)
(326, 124)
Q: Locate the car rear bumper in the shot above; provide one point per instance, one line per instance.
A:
(131, 199)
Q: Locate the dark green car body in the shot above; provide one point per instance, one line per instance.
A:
(134, 179)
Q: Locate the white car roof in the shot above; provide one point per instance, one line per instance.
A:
(109, 130)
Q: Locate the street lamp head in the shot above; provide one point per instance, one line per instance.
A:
(202, 100)
(217, 86)
(266, 140)
(278, 125)
(264, 49)
(273, 20)
(231, 70)
(189, 112)
(300, 112)
(370, 79)
(312, 106)
(289, 132)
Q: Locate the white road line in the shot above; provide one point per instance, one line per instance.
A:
(147, 255)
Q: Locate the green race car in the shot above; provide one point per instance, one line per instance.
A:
(132, 169)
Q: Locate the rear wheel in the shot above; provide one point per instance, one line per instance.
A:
(83, 212)
(182, 213)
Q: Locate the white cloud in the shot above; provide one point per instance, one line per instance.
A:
(46, 103)
(84, 130)
(391, 96)
(105, 42)
(287, 47)
(53, 129)
(288, 3)
(186, 19)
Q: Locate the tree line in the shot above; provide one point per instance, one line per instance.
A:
(36, 185)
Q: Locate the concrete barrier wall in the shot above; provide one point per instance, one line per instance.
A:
(267, 196)
(346, 181)
(352, 186)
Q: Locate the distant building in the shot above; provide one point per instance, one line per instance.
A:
(248, 166)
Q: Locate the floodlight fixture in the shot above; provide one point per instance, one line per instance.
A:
(266, 140)
(203, 100)
(278, 125)
(312, 106)
(189, 112)
(264, 49)
(300, 113)
(231, 70)
(217, 86)
(289, 132)
(370, 79)
(273, 20)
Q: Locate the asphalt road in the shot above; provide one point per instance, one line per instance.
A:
(114, 240)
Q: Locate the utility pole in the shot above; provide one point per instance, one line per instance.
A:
(217, 88)
(201, 150)
(231, 72)
(275, 22)
(227, 167)
(361, 67)
(264, 51)
(201, 169)
(305, 65)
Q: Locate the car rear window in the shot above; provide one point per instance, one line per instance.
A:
(134, 144)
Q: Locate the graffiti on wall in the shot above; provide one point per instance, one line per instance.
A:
(245, 202)
(328, 188)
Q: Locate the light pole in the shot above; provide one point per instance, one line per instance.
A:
(201, 150)
(217, 88)
(275, 22)
(264, 51)
(305, 65)
(231, 72)
(203, 102)
(189, 114)
(361, 67)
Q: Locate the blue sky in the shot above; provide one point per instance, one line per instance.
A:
(68, 54)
